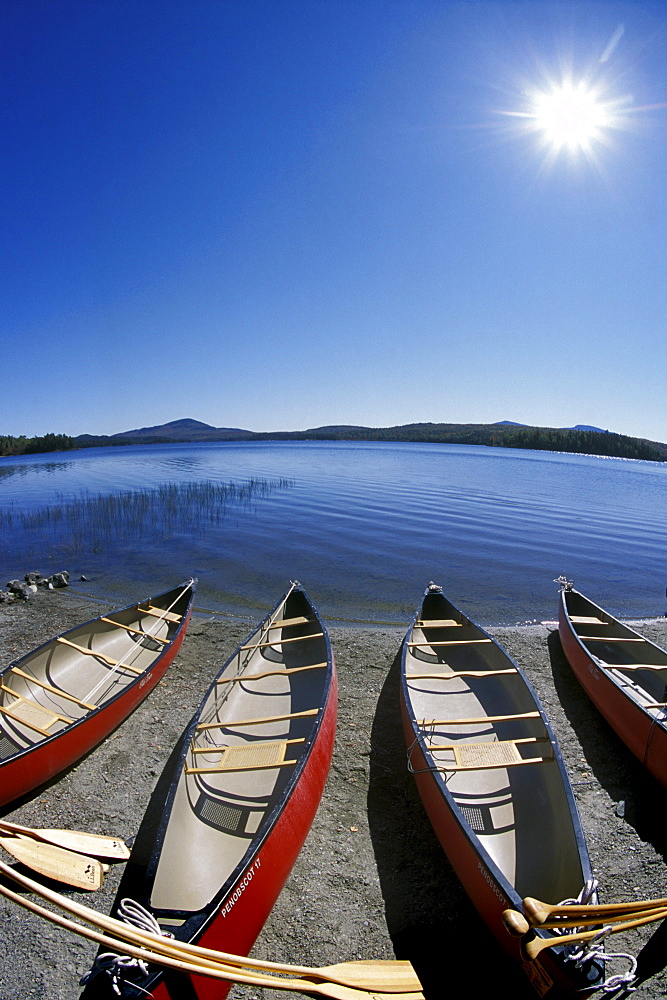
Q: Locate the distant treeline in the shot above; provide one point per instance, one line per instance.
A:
(588, 442)
(498, 436)
(30, 446)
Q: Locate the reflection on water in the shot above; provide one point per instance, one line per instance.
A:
(364, 526)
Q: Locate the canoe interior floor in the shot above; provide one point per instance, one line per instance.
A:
(217, 811)
(500, 803)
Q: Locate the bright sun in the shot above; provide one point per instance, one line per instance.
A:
(570, 116)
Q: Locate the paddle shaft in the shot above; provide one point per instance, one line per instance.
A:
(405, 983)
(537, 912)
(531, 949)
(517, 925)
(202, 967)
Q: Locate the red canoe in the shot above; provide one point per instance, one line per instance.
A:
(61, 700)
(236, 800)
(492, 780)
(624, 674)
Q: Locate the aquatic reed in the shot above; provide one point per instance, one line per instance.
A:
(92, 523)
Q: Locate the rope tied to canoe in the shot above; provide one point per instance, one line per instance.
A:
(586, 951)
(115, 965)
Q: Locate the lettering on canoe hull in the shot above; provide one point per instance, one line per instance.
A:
(593, 671)
(145, 680)
(241, 887)
(492, 884)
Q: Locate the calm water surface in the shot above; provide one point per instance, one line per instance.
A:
(363, 526)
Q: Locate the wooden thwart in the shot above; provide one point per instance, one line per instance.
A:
(481, 718)
(285, 622)
(169, 616)
(462, 673)
(282, 642)
(438, 623)
(247, 757)
(100, 656)
(586, 620)
(449, 642)
(269, 673)
(135, 631)
(256, 722)
(634, 666)
(53, 690)
(610, 638)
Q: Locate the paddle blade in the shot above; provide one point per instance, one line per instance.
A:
(383, 975)
(75, 840)
(54, 862)
(87, 843)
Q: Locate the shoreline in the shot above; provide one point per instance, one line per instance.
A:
(371, 881)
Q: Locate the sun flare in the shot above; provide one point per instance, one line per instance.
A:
(570, 116)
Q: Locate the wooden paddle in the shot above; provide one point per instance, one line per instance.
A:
(531, 949)
(517, 925)
(386, 977)
(54, 862)
(538, 912)
(74, 840)
(202, 967)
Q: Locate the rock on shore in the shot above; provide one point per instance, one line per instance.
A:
(372, 881)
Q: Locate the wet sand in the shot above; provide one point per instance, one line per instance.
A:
(371, 881)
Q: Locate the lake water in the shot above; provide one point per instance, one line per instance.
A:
(364, 526)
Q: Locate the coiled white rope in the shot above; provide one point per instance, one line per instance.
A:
(593, 950)
(114, 965)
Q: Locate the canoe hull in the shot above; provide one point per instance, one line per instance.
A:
(643, 735)
(207, 877)
(45, 760)
(449, 793)
(244, 910)
(481, 882)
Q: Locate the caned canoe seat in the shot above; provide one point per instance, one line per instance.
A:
(30, 714)
(483, 756)
(246, 756)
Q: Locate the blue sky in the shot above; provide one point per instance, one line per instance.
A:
(278, 215)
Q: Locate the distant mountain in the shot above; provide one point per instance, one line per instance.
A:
(184, 430)
(582, 439)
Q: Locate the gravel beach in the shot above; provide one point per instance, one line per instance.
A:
(371, 881)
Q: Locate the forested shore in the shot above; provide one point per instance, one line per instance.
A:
(574, 440)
